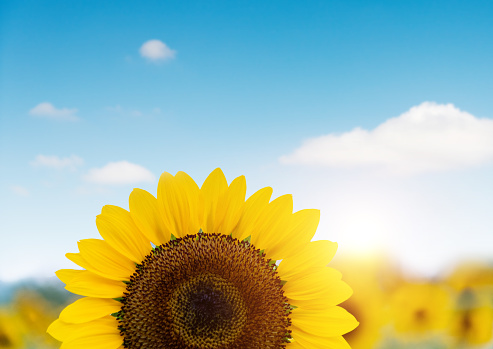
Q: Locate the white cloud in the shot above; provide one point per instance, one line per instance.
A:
(429, 137)
(19, 190)
(156, 50)
(53, 161)
(47, 110)
(121, 172)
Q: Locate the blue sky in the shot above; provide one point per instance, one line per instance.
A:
(248, 84)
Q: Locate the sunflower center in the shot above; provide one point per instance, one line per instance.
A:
(205, 291)
(207, 309)
(4, 341)
(421, 315)
(466, 322)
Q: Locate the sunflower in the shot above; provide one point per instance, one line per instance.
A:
(203, 268)
(367, 275)
(35, 313)
(421, 308)
(472, 320)
(10, 330)
(472, 275)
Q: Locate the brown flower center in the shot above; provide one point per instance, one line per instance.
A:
(205, 291)
(5, 341)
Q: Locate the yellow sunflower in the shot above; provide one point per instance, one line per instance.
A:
(35, 314)
(472, 275)
(199, 268)
(10, 330)
(472, 321)
(421, 308)
(365, 274)
(473, 315)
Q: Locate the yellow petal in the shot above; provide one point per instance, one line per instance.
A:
(314, 254)
(274, 221)
(191, 190)
(144, 210)
(103, 260)
(63, 331)
(322, 286)
(299, 230)
(103, 341)
(330, 322)
(308, 341)
(89, 308)
(89, 284)
(230, 207)
(56, 329)
(78, 259)
(178, 199)
(119, 230)
(294, 345)
(67, 275)
(254, 206)
(213, 188)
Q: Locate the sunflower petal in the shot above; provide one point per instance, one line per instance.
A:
(67, 275)
(99, 341)
(294, 345)
(230, 207)
(103, 260)
(144, 210)
(56, 329)
(300, 229)
(270, 231)
(314, 254)
(253, 208)
(92, 285)
(178, 199)
(88, 309)
(308, 341)
(191, 191)
(67, 331)
(78, 259)
(330, 322)
(323, 285)
(213, 188)
(119, 230)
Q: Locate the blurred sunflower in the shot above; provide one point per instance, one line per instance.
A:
(472, 275)
(211, 281)
(472, 322)
(420, 308)
(35, 314)
(10, 331)
(367, 276)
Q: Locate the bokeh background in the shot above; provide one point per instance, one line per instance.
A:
(378, 113)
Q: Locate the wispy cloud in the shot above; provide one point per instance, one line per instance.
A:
(20, 190)
(121, 172)
(48, 111)
(71, 162)
(429, 137)
(156, 50)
